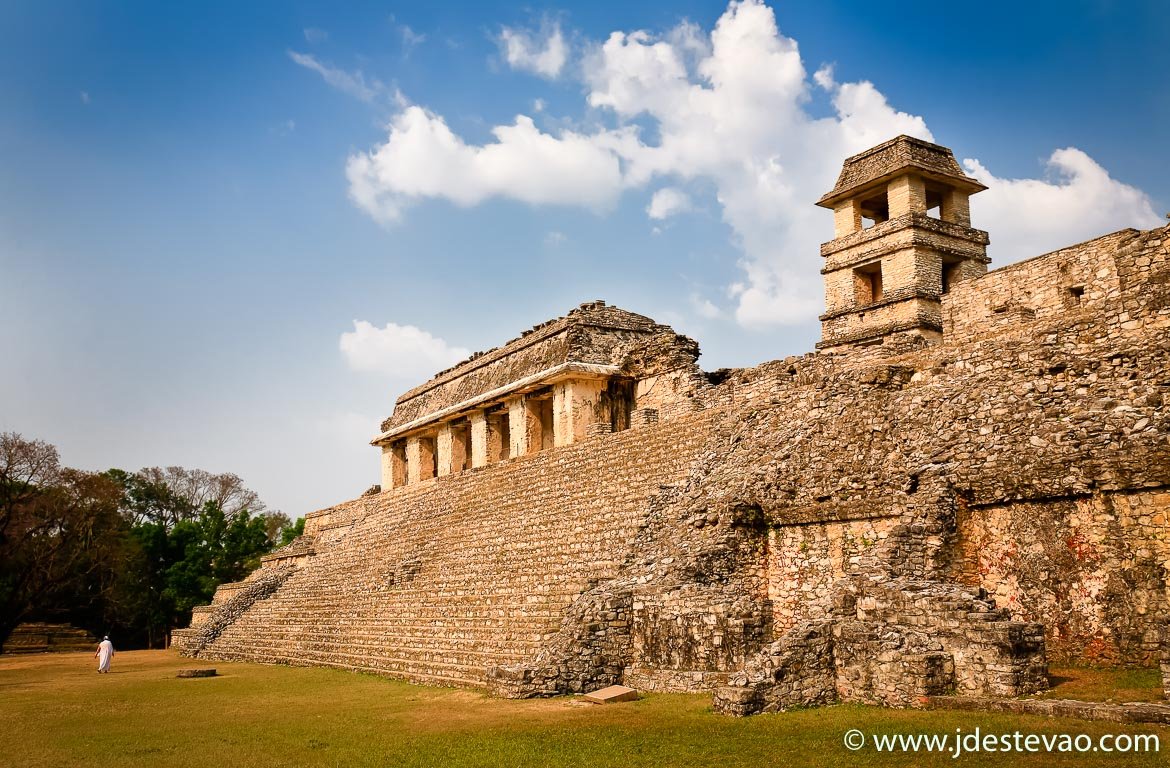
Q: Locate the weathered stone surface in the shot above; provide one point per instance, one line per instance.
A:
(612, 695)
(881, 523)
(185, 673)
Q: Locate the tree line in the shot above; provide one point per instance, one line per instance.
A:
(122, 553)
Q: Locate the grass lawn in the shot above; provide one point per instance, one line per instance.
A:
(56, 711)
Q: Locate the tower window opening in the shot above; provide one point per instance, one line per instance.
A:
(934, 202)
(951, 274)
(1077, 292)
(874, 211)
(867, 283)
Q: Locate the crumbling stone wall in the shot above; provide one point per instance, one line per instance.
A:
(1093, 568)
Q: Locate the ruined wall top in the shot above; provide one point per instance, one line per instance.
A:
(593, 336)
(886, 160)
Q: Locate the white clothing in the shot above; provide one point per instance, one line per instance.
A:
(105, 652)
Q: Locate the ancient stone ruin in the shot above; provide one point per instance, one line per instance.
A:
(968, 479)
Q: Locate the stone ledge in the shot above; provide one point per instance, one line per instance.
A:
(1139, 712)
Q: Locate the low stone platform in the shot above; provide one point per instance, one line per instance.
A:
(1136, 712)
(40, 637)
(612, 695)
(196, 673)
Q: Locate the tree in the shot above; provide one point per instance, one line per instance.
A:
(275, 524)
(197, 487)
(289, 533)
(131, 552)
(60, 532)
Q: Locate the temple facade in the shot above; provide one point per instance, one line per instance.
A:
(550, 387)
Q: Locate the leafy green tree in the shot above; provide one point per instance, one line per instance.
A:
(290, 532)
(61, 534)
(120, 551)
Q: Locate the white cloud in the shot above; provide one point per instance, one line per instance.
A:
(729, 108)
(352, 83)
(542, 52)
(704, 308)
(555, 239)
(410, 39)
(84, 95)
(315, 35)
(423, 158)
(668, 202)
(1029, 217)
(401, 351)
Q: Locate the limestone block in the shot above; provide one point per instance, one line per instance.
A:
(612, 695)
(479, 439)
(420, 458)
(196, 673)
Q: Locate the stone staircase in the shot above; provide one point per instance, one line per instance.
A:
(437, 582)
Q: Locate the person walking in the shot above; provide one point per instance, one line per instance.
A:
(103, 654)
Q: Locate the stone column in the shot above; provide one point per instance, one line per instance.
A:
(956, 207)
(846, 218)
(479, 439)
(906, 194)
(576, 405)
(393, 465)
(420, 458)
(498, 445)
(524, 427)
(387, 467)
(443, 451)
(460, 447)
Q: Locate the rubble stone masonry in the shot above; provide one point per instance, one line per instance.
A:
(879, 523)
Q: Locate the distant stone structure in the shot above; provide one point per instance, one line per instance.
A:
(42, 637)
(971, 477)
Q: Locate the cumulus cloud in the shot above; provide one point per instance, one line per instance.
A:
(401, 351)
(352, 83)
(423, 158)
(1080, 200)
(542, 52)
(729, 107)
(668, 202)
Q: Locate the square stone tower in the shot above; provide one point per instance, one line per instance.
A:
(902, 237)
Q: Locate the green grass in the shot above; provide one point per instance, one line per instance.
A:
(55, 711)
(1104, 684)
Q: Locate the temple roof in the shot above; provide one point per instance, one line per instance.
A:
(883, 162)
(590, 338)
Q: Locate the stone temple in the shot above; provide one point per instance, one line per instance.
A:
(969, 478)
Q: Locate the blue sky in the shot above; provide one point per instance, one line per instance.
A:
(231, 234)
